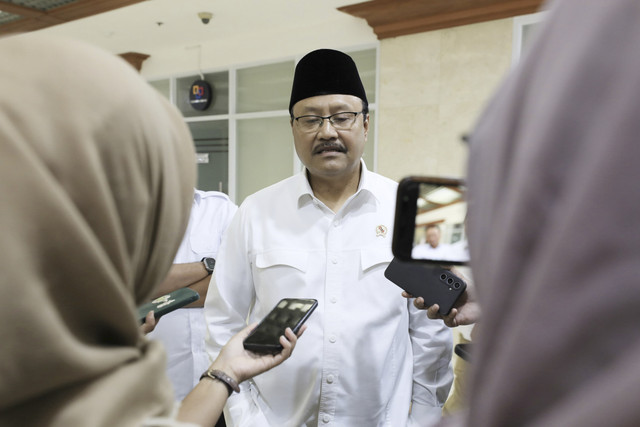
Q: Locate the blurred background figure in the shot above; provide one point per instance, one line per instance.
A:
(183, 331)
(432, 248)
(554, 227)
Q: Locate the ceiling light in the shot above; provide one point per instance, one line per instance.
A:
(442, 196)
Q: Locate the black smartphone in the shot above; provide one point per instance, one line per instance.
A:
(167, 303)
(429, 221)
(289, 312)
(436, 285)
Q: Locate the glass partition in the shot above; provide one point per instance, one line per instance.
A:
(211, 140)
(264, 88)
(366, 62)
(264, 154)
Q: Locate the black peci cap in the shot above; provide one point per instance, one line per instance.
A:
(326, 72)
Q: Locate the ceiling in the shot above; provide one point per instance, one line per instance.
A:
(144, 25)
(29, 15)
(147, 25)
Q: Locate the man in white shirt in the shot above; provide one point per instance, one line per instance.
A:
(183, 331)
(431, 248)
(368, 357)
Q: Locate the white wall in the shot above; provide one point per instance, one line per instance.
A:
(432, 87)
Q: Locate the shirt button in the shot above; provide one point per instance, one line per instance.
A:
(330, 379)
(332, 338)
(334, 300)
(336, 224)
(334, 260)
(326, 418)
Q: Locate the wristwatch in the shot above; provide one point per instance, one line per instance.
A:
(209, 263)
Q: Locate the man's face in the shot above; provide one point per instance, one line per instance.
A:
(433, 236)
(327, 152)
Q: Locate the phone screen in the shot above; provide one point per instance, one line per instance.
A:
(289, 312)
(430, 221)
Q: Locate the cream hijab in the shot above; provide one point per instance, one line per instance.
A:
(96, 178)
(554, 227)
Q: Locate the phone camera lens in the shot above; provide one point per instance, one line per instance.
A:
(443, 276)
(449, 280)
(456, 285)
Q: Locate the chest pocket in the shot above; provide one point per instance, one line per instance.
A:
(288, 258)
(372, 257)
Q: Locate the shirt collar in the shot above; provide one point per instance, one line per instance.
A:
(305, 193)
(197, 196)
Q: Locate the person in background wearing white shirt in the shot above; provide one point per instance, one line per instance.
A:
(370, 358)
(183, 331)
(432, 248)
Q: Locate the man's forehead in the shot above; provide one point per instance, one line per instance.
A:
(331, 102)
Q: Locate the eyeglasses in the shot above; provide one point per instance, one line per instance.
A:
(340, 121)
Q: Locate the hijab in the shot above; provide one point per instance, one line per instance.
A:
(96, 178)
(554, 227)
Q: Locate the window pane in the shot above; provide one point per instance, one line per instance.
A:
(264, 154)
(528, 32)
(211, 139)
(366, 62)
(264, 88)
(220, 94)
(162, 86)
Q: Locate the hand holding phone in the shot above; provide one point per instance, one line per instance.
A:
(436, 285)
(288, 313)
(167, 303)
(429, 233)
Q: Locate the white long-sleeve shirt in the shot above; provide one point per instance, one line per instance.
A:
(183, 332)
(367, 353)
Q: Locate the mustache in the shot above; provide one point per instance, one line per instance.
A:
(330, 146)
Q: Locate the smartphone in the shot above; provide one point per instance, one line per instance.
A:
(167, 303)
(429, 223)
(289, 312)
(436, 285)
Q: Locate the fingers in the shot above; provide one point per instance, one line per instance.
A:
(149, 323)
(288, 341)
(150, 319)
(433, 312)
(290, 336)
(301, 331)
(450, 319)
